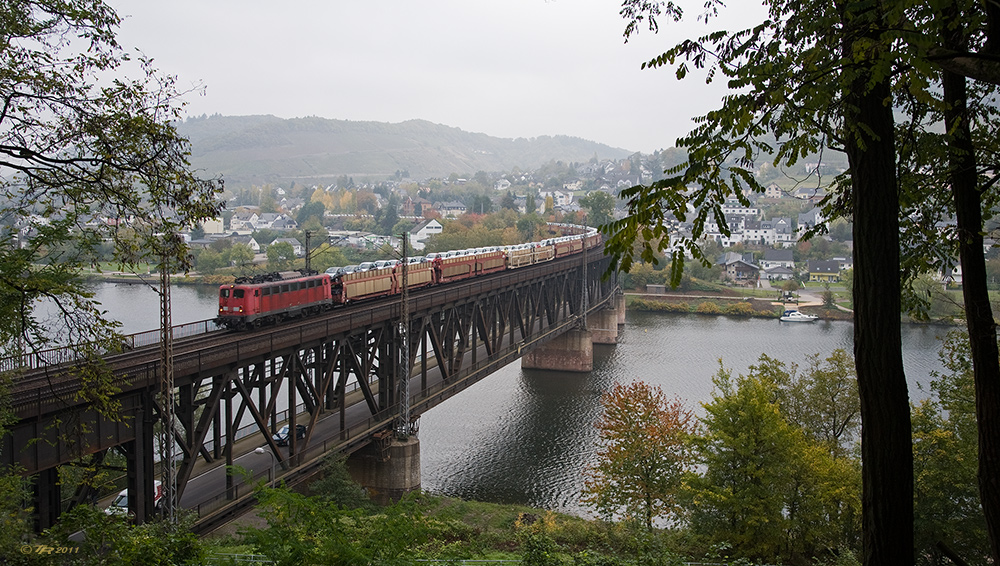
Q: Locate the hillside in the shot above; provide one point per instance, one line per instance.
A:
(255, 150)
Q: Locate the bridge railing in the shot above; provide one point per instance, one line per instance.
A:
(68, 354)
(151, 337)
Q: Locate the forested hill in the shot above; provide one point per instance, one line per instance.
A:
(264, 149)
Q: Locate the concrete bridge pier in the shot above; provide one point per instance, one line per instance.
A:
(620, 308)
(388, 468)
(603, 326)
(572, 351)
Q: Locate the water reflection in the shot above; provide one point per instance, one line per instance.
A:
(529, 448)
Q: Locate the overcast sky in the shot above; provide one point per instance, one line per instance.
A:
(506, 68)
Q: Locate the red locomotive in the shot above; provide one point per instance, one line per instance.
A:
(271, 299)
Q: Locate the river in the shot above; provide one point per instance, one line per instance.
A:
(524, 436)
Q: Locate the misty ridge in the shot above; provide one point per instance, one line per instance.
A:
(257, 150)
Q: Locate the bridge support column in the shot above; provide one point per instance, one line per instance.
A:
(620, 308)
(48, 502)
(603, 326)
(390, 472)
(572, 351)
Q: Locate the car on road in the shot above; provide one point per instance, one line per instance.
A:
(119, 507)
(281, 437)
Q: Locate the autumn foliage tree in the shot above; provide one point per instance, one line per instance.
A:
(643, 454)
(771, 484)
(947, 511)
(90, 160)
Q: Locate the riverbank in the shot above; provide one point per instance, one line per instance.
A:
(121, 278)
(730, 304)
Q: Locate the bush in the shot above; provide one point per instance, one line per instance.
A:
(336, 485)
(658, 306)
(537, 545)
(703, 285)
(708, 307)
(590, 558)
(217, 279)
(740, 309)
(676, 307)
(645, 274)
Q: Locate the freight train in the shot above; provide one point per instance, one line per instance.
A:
(269, 299)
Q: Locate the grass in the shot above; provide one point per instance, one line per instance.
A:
(769, 294)
(472, 530)
(107, 267)
(733, 306)
(821, 285)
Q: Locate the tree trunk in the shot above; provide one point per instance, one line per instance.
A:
(978, 312)
(887, 456)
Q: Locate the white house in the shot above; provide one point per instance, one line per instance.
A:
(773, 191)
(810, 219)
(777, 258)
(284, 222)
(756, 232)
(777, 274)
(296, 245)
(846, 263)
(734, 207)
(422, 231)
(726, 241)
(450, 209)
(248, 240)
(244, 220)
(266, 220)
(736, 223)
(783, 232)
(213, 226)
(559, 198)
(770, 232)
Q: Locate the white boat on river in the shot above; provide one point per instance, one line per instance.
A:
(792, 315)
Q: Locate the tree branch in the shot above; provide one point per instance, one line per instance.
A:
(977, 66)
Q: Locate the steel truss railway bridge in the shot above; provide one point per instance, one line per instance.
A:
(338, 371)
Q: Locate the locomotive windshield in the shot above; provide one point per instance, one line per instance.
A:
(224, 293)
(238, 293)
